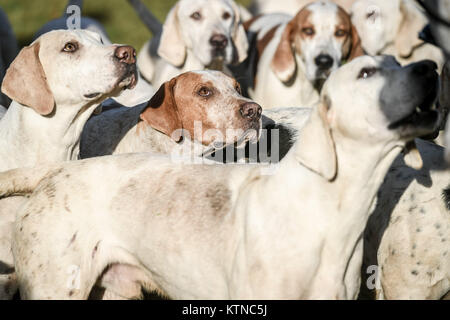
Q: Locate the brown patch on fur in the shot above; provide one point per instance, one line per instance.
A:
(219, 197)
(283, 62)
(161, 112)
(261, 45)
(351, 47)
(247, 24)
(26, 72)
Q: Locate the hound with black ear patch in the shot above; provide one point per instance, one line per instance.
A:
(197, 34)
(295, 55)
(393, 27)
(225, 231)
(207, 100)
(55, 86)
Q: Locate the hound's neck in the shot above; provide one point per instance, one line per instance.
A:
(331, 215)
(143, 138)
(34, 138)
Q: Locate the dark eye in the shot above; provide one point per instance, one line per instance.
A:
(367, 73)
(196, 15)
(204, 92)
(238, 88)
(308, 31)
(70, 47)
(340, 33)
(226, 16)
(370, 14)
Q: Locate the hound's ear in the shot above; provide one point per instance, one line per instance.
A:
(283, 62)
(413, 21)
(316, 150)
(171, 45)
(26, 83)
(356, 49)
(239, 35)
(161, 112)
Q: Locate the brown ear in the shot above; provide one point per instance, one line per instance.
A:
(413, 21)
(26, 83)
(356, 49)
(161, 112)
(283, 62)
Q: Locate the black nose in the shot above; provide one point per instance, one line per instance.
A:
(251, 110)
(425, 68)
(218, 41)
(125, 54)
(324, 61)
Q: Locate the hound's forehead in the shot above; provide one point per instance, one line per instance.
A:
(189, 5)
(216, 77)
(84, 36)
(322, 9)
(323, 13)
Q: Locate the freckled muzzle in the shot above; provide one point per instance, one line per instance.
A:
(251, 112)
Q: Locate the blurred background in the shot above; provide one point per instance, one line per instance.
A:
(117, 16)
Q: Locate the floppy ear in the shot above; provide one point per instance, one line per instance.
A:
(316, 150)
(283, 63)
(356, 49)
(413, 21)
(171, 45)
(161, 112)
(239, 35)
(26, 83)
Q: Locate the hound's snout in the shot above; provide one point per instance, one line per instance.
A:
(218, 41)
(251, 110)
(324, 61)
(426, 68)
(125, 54)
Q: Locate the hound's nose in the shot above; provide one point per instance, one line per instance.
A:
(251, 110)
(218, 41)
(424, 68)
(125, 54)
(324, 61)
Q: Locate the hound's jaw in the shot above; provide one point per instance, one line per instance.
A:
(128, 82)
(425, 113)
(216, 64)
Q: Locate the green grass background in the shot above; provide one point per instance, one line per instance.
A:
(118, 17)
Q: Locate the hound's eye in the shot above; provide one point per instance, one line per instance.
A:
(226, 16)
(340, 33)
(308, 31)
(238, 88)
(367, 73)
(70, 47)
(196, 15)
(204, 92)
(370, 14)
